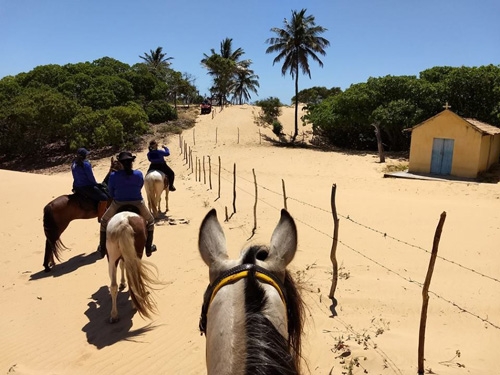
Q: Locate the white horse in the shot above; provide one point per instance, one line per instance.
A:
(155, 182)
(252, 312)
(125, 239)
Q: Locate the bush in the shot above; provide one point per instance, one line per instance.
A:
(160, 111)
(132, 117)
(277, 128)
(271, 109)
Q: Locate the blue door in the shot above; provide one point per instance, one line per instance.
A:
(442, 156)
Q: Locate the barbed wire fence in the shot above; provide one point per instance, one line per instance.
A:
(223, 174)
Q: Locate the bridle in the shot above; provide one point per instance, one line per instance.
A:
(233, 275)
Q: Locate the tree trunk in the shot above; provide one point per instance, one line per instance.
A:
(296, 104)
(381, 154)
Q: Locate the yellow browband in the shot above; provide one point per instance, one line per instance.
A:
(241, 275)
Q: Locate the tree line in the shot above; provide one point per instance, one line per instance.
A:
(345, 119)
(94, 104)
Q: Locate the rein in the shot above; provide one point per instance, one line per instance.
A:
(233, 275)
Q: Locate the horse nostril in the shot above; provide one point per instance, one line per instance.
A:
(262, 255)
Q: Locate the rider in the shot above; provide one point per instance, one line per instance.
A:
(157, 159)
(84, 182)
(125, 189)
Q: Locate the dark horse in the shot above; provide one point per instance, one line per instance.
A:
(58, 213)
(252, 312)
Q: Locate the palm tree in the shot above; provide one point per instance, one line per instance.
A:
(295, 43)
(244, 82)
(225, 68)
(157, 61)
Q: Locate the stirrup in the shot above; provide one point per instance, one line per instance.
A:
(102, 252)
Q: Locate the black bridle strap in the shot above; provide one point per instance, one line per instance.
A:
(233, 275)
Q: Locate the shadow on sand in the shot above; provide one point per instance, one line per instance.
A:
(99, 331)
(72, 264)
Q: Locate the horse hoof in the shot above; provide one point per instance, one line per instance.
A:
(113, 320)
(47, 268)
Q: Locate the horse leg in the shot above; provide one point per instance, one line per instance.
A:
(48, 259)
(166, 199)
(123, 284)
(113, 289)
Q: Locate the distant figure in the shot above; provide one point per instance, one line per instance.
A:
(84, 182)
(158, 163)
(125, 189)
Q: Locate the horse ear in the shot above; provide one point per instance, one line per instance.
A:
(283, 241)
(211, 239)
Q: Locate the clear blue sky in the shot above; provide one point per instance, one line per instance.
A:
(369, 38)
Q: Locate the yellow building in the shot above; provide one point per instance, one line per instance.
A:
(448, 144)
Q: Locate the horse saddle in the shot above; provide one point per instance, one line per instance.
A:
(84, 201)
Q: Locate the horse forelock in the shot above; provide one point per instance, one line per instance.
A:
(268, 351)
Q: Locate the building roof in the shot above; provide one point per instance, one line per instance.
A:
(481, 127)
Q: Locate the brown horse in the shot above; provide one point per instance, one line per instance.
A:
(125, 239)
(57, 215)
(252, 312)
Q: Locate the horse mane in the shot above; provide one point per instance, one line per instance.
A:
(268, 352)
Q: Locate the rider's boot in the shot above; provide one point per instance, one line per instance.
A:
(102, 244)
(101, 209)
(150, 248)
(171, 181)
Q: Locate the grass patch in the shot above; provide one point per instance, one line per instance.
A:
(399, 167)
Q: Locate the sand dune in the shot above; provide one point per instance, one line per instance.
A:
(56, 323)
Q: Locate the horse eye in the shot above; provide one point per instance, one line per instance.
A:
(262, 255)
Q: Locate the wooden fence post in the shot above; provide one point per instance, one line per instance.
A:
(284, 193)
(191, 158)
(209, 173)
(255, 203)
(199, 169)
(196, 169)
(333, 251)
(234, 188)
(218, 194)
(204, 172)
(425, 294)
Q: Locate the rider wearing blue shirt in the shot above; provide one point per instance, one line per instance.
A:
(125, 188)
(84, 182)
(157, 159)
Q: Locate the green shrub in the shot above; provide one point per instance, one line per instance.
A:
(160, 111)
(277, 128)
(271, 109)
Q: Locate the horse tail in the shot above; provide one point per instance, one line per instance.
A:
(52, 233)
(150, 186)
(141, 275)
(150, 191)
